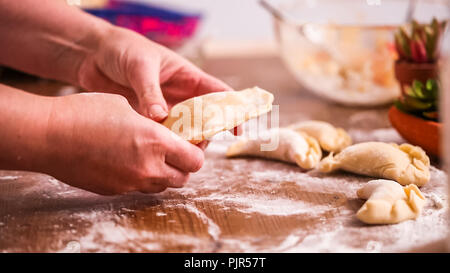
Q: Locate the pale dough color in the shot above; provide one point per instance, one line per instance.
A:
(330, 138)
(389, 203)
(406, 164)
(202, 117)
(292, 147)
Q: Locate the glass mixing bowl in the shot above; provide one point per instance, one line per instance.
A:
(344, 50)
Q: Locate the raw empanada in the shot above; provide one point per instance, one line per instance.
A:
(406, 164)
(287, 145)
(330, 138)
(389, 203)
(202, 117)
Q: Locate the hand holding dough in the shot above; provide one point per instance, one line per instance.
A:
(330, 138)
(389, 203)
(406, 164)
(202, 117)
(291, 147)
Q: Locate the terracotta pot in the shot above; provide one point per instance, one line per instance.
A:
(417, 131)
(407, 72)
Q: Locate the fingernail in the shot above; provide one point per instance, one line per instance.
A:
(156, 112)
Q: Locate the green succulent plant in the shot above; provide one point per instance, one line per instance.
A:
(421, 99)
(419, 43)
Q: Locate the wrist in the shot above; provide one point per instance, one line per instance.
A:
(58, 141)
(24, 120)
(49, 40)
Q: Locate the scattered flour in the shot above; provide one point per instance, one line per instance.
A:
(249, 189)
(54, 181)
(9, 177)
(437, 201)
(266, 205)
(384, 135)
(107, 235)
(213, 229)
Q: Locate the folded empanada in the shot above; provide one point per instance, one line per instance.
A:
(389, 203)
(202, 117)
(406, 164)
(282, 144)
(330, 138)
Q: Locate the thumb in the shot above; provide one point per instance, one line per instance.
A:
(148, 90)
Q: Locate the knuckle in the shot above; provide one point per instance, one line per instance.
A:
(136, 62)
(137, 148)
(149, 171)
(145, 173)
(165, 145)
(148, 160)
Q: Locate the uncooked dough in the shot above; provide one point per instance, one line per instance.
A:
(406, 164)
(282, 144)
(330, 138)
(389, 203)
(202, 117)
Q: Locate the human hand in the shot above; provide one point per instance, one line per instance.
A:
(99, 143)
(150, 76)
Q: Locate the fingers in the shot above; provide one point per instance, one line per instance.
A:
(210, 84)
(169, 177)
(145, 82)
(153, 188)
(175, 178)
(168, 160)
(201, 82)
(188, 159)
(94, 80)
(184, 156)
(183, 76)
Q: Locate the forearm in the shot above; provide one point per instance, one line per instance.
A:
(47, 38)
(23, 129)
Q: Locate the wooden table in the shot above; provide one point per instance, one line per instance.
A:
(238, 205)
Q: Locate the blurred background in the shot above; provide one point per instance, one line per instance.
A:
(224, 20)
(353, 53)
(377, 68)
(343, 51)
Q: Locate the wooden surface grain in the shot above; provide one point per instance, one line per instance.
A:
(230, 205)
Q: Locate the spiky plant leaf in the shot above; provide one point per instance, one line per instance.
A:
(421, 43)
(420, 99)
